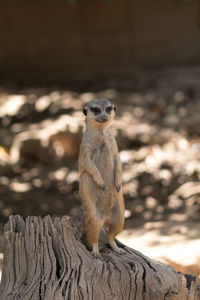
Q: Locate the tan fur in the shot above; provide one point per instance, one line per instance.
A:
(100, 178)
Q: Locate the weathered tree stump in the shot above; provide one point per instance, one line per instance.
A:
(47, 259)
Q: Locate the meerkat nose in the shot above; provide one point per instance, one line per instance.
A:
(104, 119)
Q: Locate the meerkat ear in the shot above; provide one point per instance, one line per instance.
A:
(114, 108)
(85, 111)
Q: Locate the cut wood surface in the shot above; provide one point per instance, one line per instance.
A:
(46, 258)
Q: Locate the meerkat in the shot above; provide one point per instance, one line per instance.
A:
(100, 180)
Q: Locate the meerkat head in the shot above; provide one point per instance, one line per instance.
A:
(99, 112)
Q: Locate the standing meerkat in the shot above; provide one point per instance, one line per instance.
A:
(100, 182)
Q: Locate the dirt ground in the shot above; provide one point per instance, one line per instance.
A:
(157, 128)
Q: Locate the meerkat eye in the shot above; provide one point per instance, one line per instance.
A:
(95, 110)
(109, 109)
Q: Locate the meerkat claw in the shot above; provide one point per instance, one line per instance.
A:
(102, 187)
(96, 254)
(118, 187)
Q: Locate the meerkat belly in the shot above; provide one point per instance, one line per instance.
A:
(104, 160)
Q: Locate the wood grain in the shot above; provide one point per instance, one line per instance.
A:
(46, 258)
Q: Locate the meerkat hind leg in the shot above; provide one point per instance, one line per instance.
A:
(93, 228)
(115, 229)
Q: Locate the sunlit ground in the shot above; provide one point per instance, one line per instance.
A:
(157, 128)
(175, 243)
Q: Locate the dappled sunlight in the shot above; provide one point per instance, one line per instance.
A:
(188, 189)
(72, 176)
(43, 132)
(42, 103)
(59, 174)
(4, 156)
(157, 129)
(11, 105)
(161, 161)
(164, 168)
(20, 187)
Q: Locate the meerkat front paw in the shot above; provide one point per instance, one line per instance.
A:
(99, 181)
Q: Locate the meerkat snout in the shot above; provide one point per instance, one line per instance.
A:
(102, 119)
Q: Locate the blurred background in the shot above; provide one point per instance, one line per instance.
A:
(144, 56)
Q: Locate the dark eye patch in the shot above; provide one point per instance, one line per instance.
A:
(95, 110)
(109, 109)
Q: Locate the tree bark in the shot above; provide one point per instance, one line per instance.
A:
(47, 259)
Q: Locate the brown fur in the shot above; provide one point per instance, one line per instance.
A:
(100, 178)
